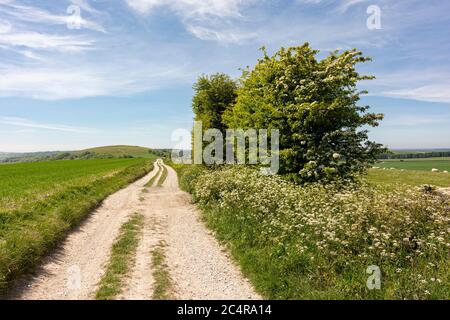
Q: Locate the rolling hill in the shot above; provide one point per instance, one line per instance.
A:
(121, 150)
(118, 151)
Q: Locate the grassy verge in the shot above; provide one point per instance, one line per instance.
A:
(122, 257)
(163, 282)
(187, 174)
(29, 233)
(316, 242)
(153, 179)
(163, 176)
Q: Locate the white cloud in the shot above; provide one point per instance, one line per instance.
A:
(36, 15)
(18, 29)
(347, 4)
(144, 6)
(432, 93)
(68, 82)
(35, 40)
(226, 36)
(430, 85)
(196, 9)
(30, 55)
(26, 123)
(205, 19)
(84, 5)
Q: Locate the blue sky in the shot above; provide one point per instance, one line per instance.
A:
(121, 72)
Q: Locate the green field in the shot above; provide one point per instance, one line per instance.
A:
(425, 164)
(41, 201)
(105, 152)
(408, 178)
(25, 183)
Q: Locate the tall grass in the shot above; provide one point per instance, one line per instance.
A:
(316, 242)
(28, 233)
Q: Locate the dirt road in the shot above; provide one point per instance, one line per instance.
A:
(198, 266)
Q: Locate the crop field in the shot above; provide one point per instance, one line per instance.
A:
(25, 183)
(41, 201)
(425, 164)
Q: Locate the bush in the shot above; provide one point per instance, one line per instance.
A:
(314, 104)
(315, 241)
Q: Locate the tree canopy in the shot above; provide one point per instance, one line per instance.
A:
(314, 104)
(213, 95)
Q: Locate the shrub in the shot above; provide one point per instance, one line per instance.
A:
(316, 241)
(314, 104)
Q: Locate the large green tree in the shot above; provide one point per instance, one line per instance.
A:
(314, 104)
(213, 95)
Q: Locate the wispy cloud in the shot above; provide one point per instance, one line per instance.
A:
(12, 10)
(347, 4)
(35, 40)
(221, 35)
(34, 45)
(196, 9)
(26, 123)
(433, 93)
(205, 19)
(67, 82)
(431, 84)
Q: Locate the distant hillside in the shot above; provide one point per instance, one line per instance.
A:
(91, 153)
(120, 151)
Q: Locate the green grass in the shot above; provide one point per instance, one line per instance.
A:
(24, 184)
(49, 199)
(117, 151)
(425, 164)
(163, 176)
(122, 258)
(152, 180)
(163, 282)
(408, 178)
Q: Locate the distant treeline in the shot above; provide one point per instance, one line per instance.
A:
(63, 156)
(418, 155)
(70, 155)
(163, 153)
